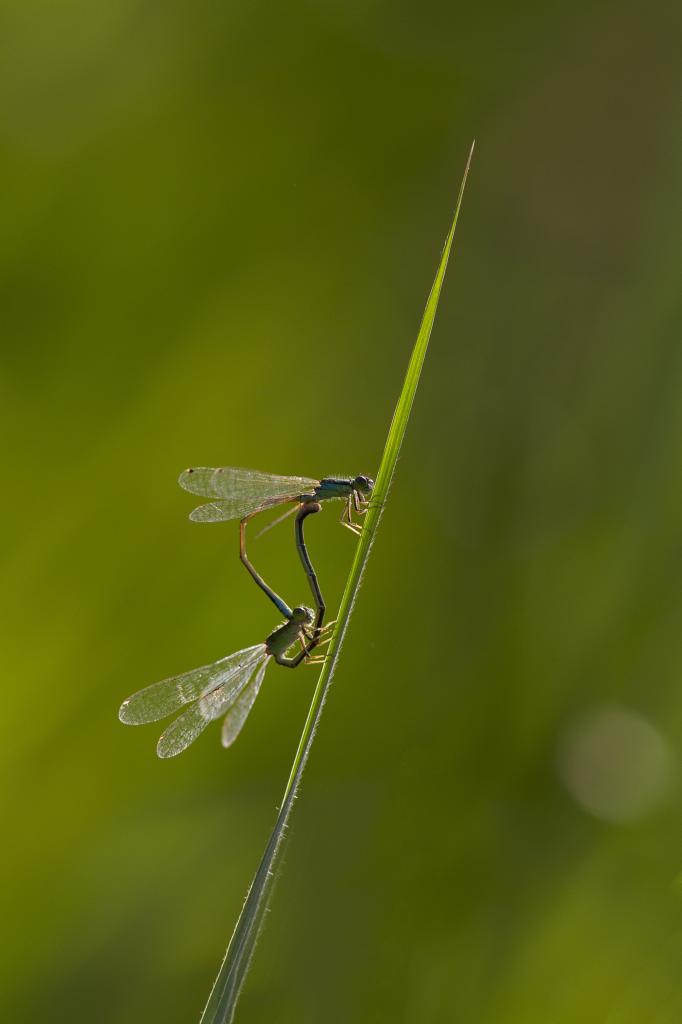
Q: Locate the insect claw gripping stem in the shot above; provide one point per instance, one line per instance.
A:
(347, 521)
(321, 643)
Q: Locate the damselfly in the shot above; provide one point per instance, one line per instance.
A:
(242, 493)
(227, 687)
(230, 686)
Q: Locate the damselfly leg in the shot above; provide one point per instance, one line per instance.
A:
(353, 501)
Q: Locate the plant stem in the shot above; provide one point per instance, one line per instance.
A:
(222, 1001)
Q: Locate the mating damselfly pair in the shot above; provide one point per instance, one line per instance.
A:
(229, 687)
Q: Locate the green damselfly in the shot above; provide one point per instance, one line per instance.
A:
(230, 686)
(243, 493)
(227, 687)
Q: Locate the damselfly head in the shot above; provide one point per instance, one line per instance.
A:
(363, 484)
(305, 616)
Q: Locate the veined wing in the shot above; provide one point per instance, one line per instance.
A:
(246, 486)
(240, 710)
(162, 699)
(191, 723)
(181, 732)
(217, 702)
(233, 508)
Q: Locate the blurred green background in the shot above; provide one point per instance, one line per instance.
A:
(220, 225)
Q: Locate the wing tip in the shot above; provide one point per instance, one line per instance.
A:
(200, 514)
(123, 712)
(211, 512)
(186, 473)
(164, 749)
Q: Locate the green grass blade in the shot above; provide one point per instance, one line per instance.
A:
(222, 1001)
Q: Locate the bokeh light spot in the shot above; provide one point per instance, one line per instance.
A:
(616, 764)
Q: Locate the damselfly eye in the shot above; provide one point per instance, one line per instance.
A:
(303, 614)
(364, 484)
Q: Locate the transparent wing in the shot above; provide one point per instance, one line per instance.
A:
(240, 710)
(181, 732)
(217, 702)
(245, 487)
(232, 508)
(162, 699)
(191, 723)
